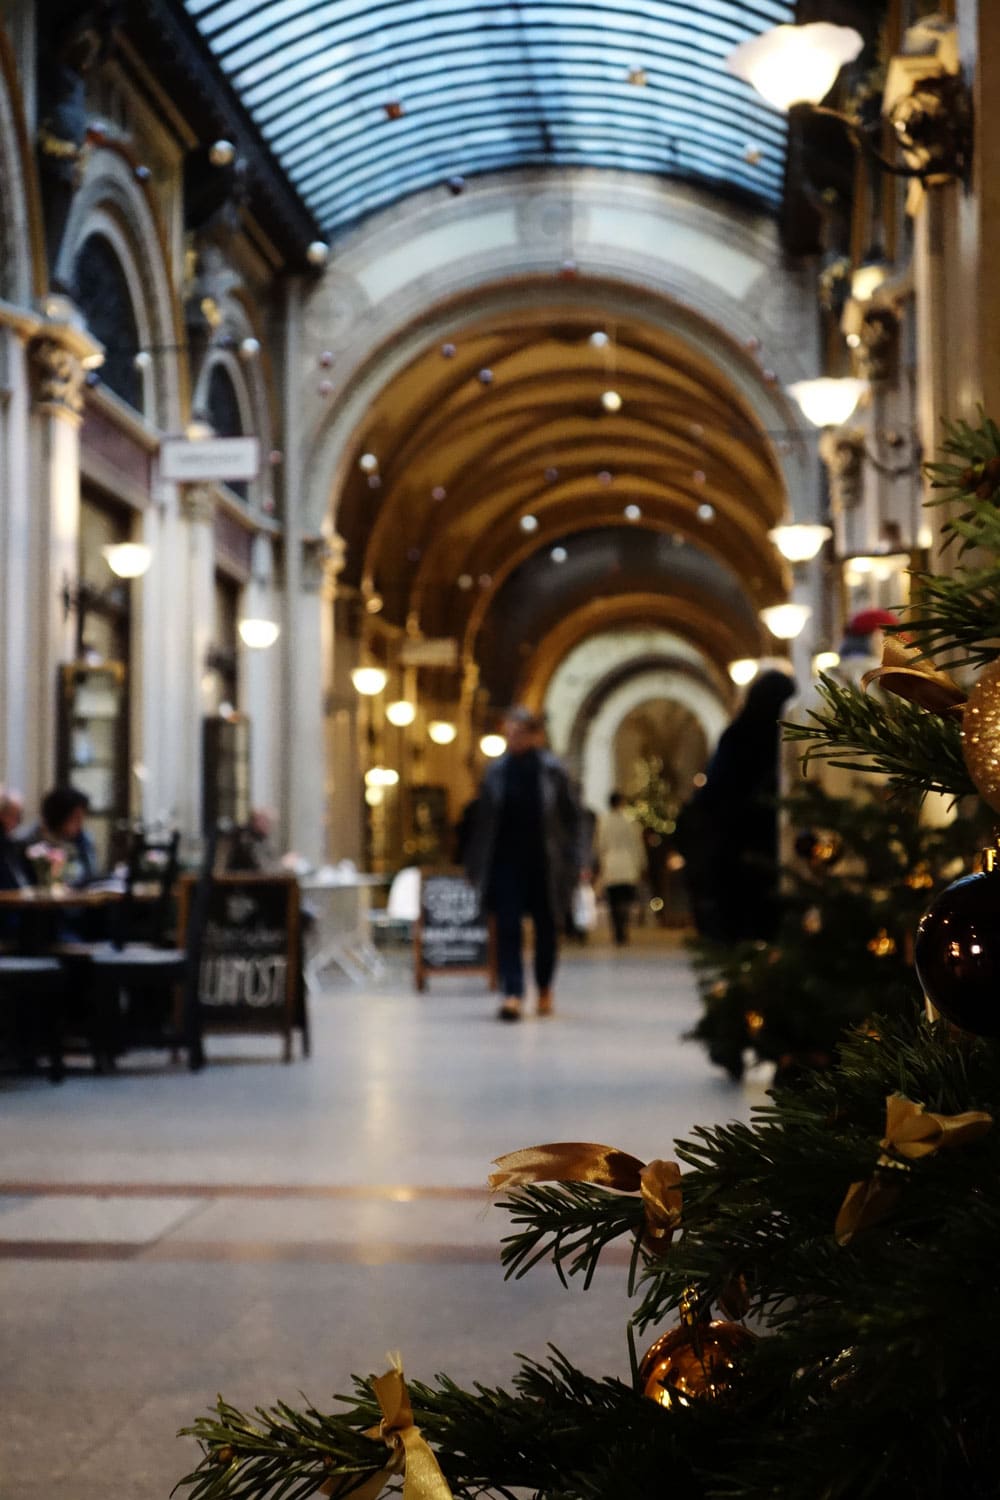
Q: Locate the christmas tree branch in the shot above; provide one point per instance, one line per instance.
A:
(569, 1222)
(918, 751)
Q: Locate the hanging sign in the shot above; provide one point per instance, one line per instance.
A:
(433, 652)
(201, 460)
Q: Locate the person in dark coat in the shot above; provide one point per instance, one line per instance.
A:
(728, 832)
(524, 855)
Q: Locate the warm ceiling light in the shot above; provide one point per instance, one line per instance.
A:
(559, 554)
(828, 402)
(374, 795)
(374, 604)
(795, 64)
(799, 542)
(249, 348)
(825, 661)
(401, 713)
(381, 776)
(705, 512)
(611, 401)
(492, 745)
(258, 634)
(318, 253)
(785, 621)
(465, 581)
(128, 559)
(221, 153)
(529, 523)
(441, 731)
(743, 670)
(633, 513)
(368, 463)
(599, 339)
(369, 681)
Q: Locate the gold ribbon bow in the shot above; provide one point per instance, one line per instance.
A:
(911, 676)
(658, 1182)
(910, 1133)
(410, 1454)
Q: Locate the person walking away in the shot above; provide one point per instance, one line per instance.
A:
(523, 855)
(621, 861)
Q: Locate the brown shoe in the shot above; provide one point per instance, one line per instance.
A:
(510, 1010)
(545, 1005)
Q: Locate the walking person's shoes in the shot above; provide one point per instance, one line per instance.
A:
(545, 1003)
(510, 1010)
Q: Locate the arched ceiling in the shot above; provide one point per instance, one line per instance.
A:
(365, 103)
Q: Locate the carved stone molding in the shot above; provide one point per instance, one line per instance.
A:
(198, 503)
(58, 379)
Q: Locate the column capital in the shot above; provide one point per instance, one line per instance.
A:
(198, 503)
(58, 380)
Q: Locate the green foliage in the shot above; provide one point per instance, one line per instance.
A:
(843, 948)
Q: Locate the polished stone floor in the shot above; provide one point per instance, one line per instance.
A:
(263, 1230)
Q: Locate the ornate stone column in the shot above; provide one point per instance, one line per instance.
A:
(16, 524)
(193, 628)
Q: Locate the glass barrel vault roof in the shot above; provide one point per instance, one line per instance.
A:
(489, 86)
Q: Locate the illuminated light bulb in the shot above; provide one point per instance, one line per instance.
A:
(799, 542)
(441, 731)
(786, 621)
(611, 401)
(369, 681)
(381, 776)
(529, 523)
(743, 670)
(249, 348)
(374, 795)
(143, 360)
(825, 661)
(705, 512)
(827, 402)
(368, 463)
(128, 559)
(465, 580)
(401, 713)
(558, 554)
(221, 153)
(492, 745)
(374, 604)
(258, 634)
(318, 253)
(599, 340)
(795, 64)
(866, 280)
(633, 513)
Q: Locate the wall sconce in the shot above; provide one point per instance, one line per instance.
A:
(258, 634)
(799, 542)
(401, 713)
(492, 745)
(743, 670)
(128, 559)
(925, 100)
(827, 402)
(859, 567)
(369, 681)
(786, 621)
(442, 731)
(825, 661)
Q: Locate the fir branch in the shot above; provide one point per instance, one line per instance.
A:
(956, 620)
(567, 1222)
(917, 751)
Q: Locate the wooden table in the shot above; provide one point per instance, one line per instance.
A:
(57, 898)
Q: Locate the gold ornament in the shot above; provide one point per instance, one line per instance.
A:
(981, 735)
(827, 849)
(882, 945)
(754, 1022)
(696, 1361)
(910, 1133)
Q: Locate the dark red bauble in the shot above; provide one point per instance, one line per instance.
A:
(957, 953)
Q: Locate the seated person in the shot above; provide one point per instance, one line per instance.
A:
(13, 869)
(64, 810)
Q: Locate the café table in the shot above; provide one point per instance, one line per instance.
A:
(343, 939)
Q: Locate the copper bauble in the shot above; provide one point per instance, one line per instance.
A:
(693, 1362)
(957, 953)
(981, 735)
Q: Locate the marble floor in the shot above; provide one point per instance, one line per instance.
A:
(262, 1229)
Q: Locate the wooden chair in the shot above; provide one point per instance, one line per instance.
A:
(32, 996)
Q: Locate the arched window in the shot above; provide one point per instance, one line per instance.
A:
(103, 296)
(223, 411)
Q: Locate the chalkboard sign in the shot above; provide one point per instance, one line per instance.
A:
(453, 934)
(246, 936)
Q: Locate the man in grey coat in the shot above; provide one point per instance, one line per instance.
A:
(524, 856)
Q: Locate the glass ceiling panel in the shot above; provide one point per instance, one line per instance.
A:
(493, 86)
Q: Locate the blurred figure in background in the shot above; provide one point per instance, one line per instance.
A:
(523, 854)
(728, 832)
(64, 811)
(13, 870)
(621, 861)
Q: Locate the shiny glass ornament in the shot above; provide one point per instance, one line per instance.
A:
(696, 1361)
(957, 952)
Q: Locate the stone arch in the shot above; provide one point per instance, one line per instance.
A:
(251, 390)
(648, 686)
(111, 203)
(405, 280)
